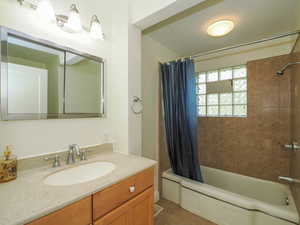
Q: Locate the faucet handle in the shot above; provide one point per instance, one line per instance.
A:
(83, 155)
(56, 160)
(71, 159)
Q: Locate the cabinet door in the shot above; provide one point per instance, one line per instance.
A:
(141, 208)
(78, 213)
(138, 211)
(119, 216)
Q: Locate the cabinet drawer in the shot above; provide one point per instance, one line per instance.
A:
(78, 213)
(114, 196)
(137, 211)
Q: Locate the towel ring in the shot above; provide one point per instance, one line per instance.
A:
(137, 105)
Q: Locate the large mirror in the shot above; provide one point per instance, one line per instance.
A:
(40, 80)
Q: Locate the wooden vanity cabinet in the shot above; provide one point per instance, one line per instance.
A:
(129, 202)
(138, 211)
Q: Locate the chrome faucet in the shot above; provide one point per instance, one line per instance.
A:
(71, 158)
(74, 152)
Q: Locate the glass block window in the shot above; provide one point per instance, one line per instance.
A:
(228, 104)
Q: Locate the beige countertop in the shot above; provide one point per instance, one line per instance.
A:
(28, 198)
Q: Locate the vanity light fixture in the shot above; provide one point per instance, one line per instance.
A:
(45, 11)
(96, 31)
(70, 23)
(220, 28)
(74, 22)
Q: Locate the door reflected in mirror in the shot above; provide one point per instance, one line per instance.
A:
(35, 78)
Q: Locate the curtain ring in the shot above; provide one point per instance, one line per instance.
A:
(135, 102)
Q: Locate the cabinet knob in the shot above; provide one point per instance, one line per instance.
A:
(132, 189)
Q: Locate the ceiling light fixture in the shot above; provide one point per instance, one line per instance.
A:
(220, 28)
(71, 23)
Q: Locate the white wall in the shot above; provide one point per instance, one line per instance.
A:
(146, 13)
(152, 53)
(119, 68)
(141, 8)
(38, 137)
(135, 73)
(126, 52)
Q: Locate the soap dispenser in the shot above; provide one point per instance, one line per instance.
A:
(8, 165)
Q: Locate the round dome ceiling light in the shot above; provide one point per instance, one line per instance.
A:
(220, 28)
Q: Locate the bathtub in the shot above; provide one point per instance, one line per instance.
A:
(231, 199)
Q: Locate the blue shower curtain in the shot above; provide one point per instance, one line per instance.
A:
(180, 116)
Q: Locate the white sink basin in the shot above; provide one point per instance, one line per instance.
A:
(80, 174)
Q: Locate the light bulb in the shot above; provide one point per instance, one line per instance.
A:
(74, 22)
(96, 31)
(45, 11)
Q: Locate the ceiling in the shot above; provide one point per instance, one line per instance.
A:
(186, 34)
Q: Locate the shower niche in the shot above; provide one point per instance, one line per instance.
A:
(42, 80)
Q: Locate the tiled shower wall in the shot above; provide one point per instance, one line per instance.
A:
(253, 146)
(250, 146)
(295, 163)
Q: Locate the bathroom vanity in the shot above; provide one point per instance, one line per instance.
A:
(128, 202)
(122, 197)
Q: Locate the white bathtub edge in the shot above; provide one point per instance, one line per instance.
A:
(235, 199)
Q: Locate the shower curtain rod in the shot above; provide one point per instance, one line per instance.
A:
(240, 45)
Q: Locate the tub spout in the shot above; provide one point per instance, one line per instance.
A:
(289, 179)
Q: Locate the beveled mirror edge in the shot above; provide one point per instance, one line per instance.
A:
(4, 116)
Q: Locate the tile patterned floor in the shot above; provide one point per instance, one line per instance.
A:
(174, 215)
